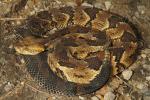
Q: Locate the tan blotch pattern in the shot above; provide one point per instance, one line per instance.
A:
(83, 51)
(126, 60)
(101, 21)
(78, 74)
(81, 75)
(61, 19)
(117, 32)
(29, 46)
(80, 17)
(126, 27)
(114, 33)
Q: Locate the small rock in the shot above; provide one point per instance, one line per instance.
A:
(107, 5)
(10, 46)
(147, 93)
(95, 98)
(109, 96)
(115, 83)
(26, 7)
(70, 4)
(81, 98)
(146, 98)
(58, 2)
(124, 97)
(147, 51)
(3, 61)
(53, 98)
(145, 66)
(142, 71)
(22, 61)
(8, 86)
(143, 87)
(22, 83)
(149, 58)
(87, 4)
(32, 12)
(140, 86)
(100, 96)
(127, 74)
(148, 78)
(18, 22)
(143, 55)
(120, 89)
(99, 5)
(103, 90)
(137, 14)
(141, 9)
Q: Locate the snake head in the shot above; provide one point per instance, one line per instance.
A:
(30, 46)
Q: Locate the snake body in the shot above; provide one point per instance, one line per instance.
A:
(75, 50)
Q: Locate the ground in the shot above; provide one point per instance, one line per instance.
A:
(16, 83)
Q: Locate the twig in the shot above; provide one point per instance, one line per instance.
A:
(9, 19)
(122, 80)
(36, 89)
(125, 83)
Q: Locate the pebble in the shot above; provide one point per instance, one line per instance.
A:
(81, 98)
(100, 96)
(141, 9)
(8, 86)
(127, 74)
(137, 14)
(142, 71)
(147, 93)
(95, 98)
(99, 5)
(145, 66)
(32, 12)
(121, 89)
(147, 51)
(109, 96)
(107, 5)
(70, 4)
(3, 61)
(146, 98)
(18, 22)
(143, 87)
(143, 55)
(149, 58)
(22, 83)
(87, 4)
(124, 97)
(53, 98)
(22, 61)
(115, 83)
(10, 46)
(103, 90)
(148, 78)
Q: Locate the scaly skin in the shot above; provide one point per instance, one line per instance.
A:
(87, 46)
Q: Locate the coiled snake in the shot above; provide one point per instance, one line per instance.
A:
(75, 50)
